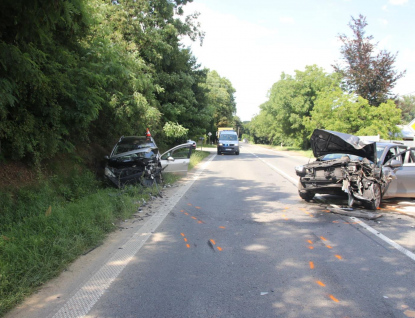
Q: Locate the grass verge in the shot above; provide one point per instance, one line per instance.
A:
(45, 227)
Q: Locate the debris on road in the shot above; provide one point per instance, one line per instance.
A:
(351, 212)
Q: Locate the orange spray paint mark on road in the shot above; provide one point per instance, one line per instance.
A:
(333, 298)
(181, 210)
(197, 207)
(189, 204)
(311, 265)
(200, 222)
(194, 218)
(186, 213)
(323, 238)
(182, 234)
(213, 242)
(335, 221)
(220, 248)
(339, 257)
(309, 241)
(329, 246)
(311, 247)
(188, 245)
(321, 283)
(222, 227)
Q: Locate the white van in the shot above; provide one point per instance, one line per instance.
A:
(228, 142)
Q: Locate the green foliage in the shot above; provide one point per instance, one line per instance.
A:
(292, 99)
(407, 106)
(314, 99)
(221, 100)
(42, 230)
(337, 111)
(196, 157)
(79, 71)
(174, 130)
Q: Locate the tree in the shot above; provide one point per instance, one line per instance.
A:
(369, 75)
(220, 95)
(407, 106)
(347, 113)
(291, 101)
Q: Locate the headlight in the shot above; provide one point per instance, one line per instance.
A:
(300, 171)
(220, 144)
(109, 173)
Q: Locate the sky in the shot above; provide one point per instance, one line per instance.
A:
(251, 43)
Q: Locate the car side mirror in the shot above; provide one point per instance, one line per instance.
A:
(170, 159)
(394, 164)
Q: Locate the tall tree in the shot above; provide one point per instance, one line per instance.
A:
(407, 106)
(291, 101)
(335, 110)
(220, 94)
(369, 75)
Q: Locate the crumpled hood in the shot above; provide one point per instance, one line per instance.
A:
(325, 142)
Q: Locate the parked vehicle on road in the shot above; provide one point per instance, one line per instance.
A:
(366, 171)
(137, 159)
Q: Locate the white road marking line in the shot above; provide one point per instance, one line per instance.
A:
(88, 295)
(358, 221)
(384, 238)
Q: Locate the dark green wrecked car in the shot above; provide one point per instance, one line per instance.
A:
(136, 159)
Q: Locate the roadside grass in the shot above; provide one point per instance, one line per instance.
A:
(45, 227)
(196, 157)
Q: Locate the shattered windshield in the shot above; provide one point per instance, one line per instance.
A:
(132, 145)
(340, 155)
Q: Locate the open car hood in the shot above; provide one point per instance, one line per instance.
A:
(324, 142)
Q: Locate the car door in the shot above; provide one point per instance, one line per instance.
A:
(177, 159)
(404, 184)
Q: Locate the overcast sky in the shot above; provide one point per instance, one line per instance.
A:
(252, 42)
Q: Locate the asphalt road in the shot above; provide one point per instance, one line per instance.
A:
(237, 241)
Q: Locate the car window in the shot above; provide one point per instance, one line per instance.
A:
(390, 154)
(181, 153)
(379, 152)
(410, 156)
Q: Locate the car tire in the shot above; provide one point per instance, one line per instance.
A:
(237, 153)
(374, 204)
(307, 196)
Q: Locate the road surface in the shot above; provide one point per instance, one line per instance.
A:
(235, 240)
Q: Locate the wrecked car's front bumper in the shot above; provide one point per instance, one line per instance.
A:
(122, 177)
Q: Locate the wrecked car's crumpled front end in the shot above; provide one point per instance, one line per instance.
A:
(133, 166)
(344, 164)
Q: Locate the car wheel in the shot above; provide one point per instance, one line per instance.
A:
(307, 196)
(237, 153)
(375, 203)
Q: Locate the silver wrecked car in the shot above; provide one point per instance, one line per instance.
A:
(365, 171)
